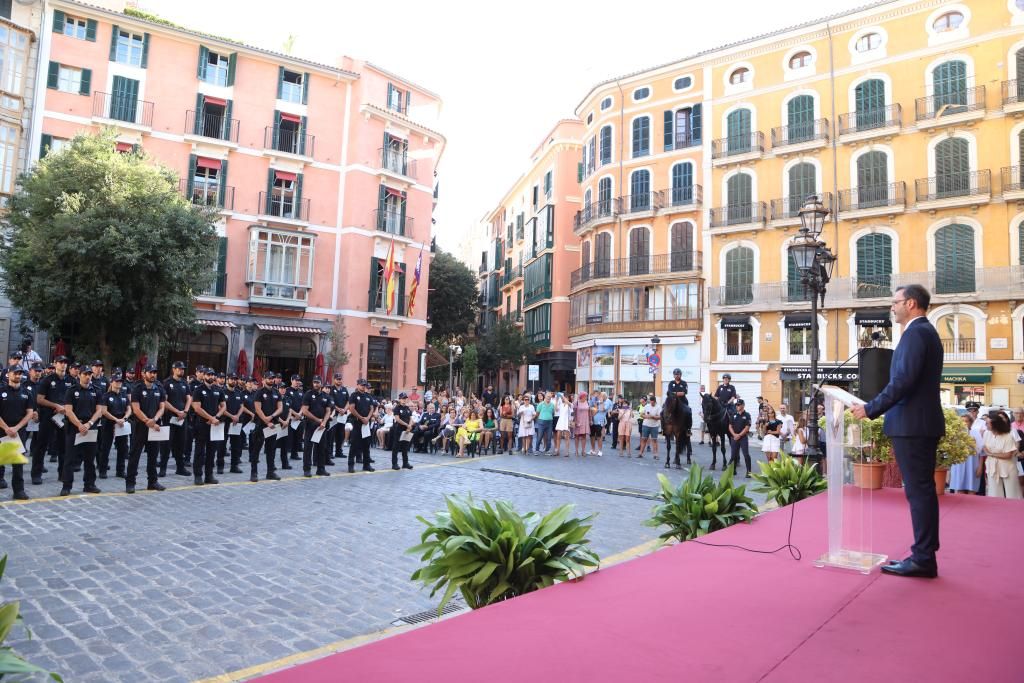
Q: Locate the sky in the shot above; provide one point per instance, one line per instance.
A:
(506, 72)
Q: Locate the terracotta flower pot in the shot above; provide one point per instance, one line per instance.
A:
(940, 481)
(868, 475)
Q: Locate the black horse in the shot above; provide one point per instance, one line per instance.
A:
(676, 423)
(716, 421)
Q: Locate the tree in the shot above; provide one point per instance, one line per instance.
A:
(504, 346)
(470, 367)
(103, 245)
(452, 304)
(338, 357)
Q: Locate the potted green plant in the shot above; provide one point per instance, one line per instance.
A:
(785, 481)
(11, 663)
(871, 458)
(955, 446)
(700, 505)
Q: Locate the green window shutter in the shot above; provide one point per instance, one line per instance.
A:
(949, 84)
(204, 57)
(382, 207)
(85, 85)
(222, 179)
(277, 129)
(739, 275)
(400, 295)
(305, 88)
(801, 185)
(800, 118)
(280, 81)
(298, 197)
(232, 63)
(872, 179)
(695, 122)
(1020, 242)
(738, 131)
(401, 217)
(391, 89)
(52, 74)
(190, 179)
(670, 117)
(227, 120)
(952, 167)
(408, 101)
(302, 134)
(222, 263)
(58, 21)
(197, 122)
(869, 102)
(547, 183)
(794, 287)
(270, 190)
(682, 183)
(954, 259)
(145, 50)
(113, 42)
(90, 30)
(374, 285)
(874, 265)
(579, 172)
(738, 188)
(47, 142)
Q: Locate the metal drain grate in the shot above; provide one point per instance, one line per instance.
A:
(430, 614)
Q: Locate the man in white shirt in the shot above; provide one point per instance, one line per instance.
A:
(788, 425)
(649, 427)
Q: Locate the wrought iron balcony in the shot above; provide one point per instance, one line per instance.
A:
(639, 203)
(397, 161)
(951, 185)
(288, 140)
(634, 320)
(738, 214)
(120, 108)
(208, 194)
(1012, 179)
(874, 118)
(1013, 92)
(217, 287)
(788, 208)
(679, 262)
(690, 196)
(799, 133)
(603, 209)
(684, 140)
(873, 197)
(392, 222)
(210, 126)
(936, 107)
(283, 206)
(512, 274)
(735, 145)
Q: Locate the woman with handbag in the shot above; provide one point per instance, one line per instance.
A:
(581, 422)
(562, 425)
(505, 423)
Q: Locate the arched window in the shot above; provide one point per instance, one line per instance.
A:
(588, 209)
(739, 75)
(739, 276)
(585, 266)
(606, 145)
(604, 197)
(603, 255)
(682, 184)
(1019, 89)
(639, 251)
(682, 83)
(640, 191)
(641, 94)
(868, 42)
(606, 103)
(954, 259)
(952, 168)
(737, 130)
(802, 184)
(869, 101)
(950, 21)
(800, 60)
(681, 247)
(800, 118)
(949, 87)
(641, 136)
(738, 197)
(874, 266)
(957, 333)
(872, 179)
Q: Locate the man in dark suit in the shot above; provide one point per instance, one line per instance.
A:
(915, 423)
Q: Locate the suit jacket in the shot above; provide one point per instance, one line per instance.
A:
(910, 400)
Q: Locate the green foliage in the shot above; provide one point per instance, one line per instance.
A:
(338, 357)
(10, 661)
(470, 366)
(785, 481)
(957, 444)
(872, 432)
(452, 304)
(104, 245)
(504, 344)
(149, 16)
(490, 552)
(699, 505)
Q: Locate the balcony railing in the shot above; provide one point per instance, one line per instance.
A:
(688, 195)
(671, 317)
(392, 222)
(961, 348)
(870, 119)
(660, 264)
(283, 206)
(873, 196)
(399, 309)
(789, 207)
(210, 126)
(603, 208)
(638, 203)
(737, 144)
(948, 104)
(481, 270)
(684, 140)
(1013, 91)
(738, 214)
(286, 294)
(288, 141)
(1012, 179)
(208, 194)
(953, 185)
(120, 108)
(397, 161)
(217, 287)
(798, 133)
(513, 274)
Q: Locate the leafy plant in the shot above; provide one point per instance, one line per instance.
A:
(491, 552)
(10, 661)
(957, 444)
(700, 505)
(785, 481)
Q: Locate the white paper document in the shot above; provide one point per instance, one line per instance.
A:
(282, 432)
(58, 420)
(14, 440)
(177, 421)
(32, 426)
(123, 430)
(217, 432)
(317, 435)
(88, 437)
(249, 427)
(162, 434)
(406, 436)
(296, 423)
(235, 429)
(365, 431)
(269, 432)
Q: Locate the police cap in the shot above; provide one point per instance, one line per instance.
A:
(403, 395)
(677, 371)
(296, 378)
(149, 368)
(116, 377)
(97, 363)
(86, 370)
(36, 366)
(60, 359)
(337, 375)
(316, 380)
(232, 375)
(178, 364)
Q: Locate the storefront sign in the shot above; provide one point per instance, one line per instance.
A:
(873, 318)
(825, 374)
(736, 323)
(999, 342)
(967, 375)
(798, 321)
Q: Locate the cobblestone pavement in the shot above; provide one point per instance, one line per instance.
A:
(199, 581)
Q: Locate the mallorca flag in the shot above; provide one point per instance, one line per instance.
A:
(415, 283)
(389, 280)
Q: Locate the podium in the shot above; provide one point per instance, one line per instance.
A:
(850, 509)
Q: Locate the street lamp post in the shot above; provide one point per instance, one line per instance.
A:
(453, 350)
(815, 262)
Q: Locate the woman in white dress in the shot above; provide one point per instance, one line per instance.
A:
(526, 415)
(800, 439)
(561, 423)
(771, 442)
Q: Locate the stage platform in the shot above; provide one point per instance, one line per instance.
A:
(695, 613)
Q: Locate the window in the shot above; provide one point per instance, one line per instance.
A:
(8, 157)
(682, 83)
(949, 87)
(869, 98)
(548, 184)
(681, 249)
(590, 118)
(604, 197)
(641, 136)
(640, 191)
(538, 326)
(391, 205)
(957, 334)
(874, 266)
(585, 253)
(50, 144)
(606, 145)
(69, 79)
(682, 184)
(130, 48)
(802, 184)
(280, 265)
(949, 21)
(800, 60)
(954, 259)
(641, 94)
(603, 255)
(398, 100)
(737, 125)
(739, 342)
(799, 339)
(214, 68)
(639, 251)
(291, 86)
(289, 133)
(606, 103)
(682, 127)
(739, 207)
(282, 196)
(868, 42)
(206, 182)
(872, 179)
(13, 48)
(739, 276)
(74, 27)
(536, 196)
(952, 168)
(795, 290)
(800, 119)
(740, 75)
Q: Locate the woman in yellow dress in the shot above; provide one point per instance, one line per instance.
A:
(469, 432)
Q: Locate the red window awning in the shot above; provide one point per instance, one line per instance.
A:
(284, 175)
(295, 118)
(395, 193)
(125, 147)
(215, 100)
(203, 162)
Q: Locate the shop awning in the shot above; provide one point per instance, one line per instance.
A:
(736, 322)
(285, 175)
(288, 328)
(435, 358)
(294, 118)
(216, 101)
(215, 323)
(873, 317)
(801, 321)
(967, 374)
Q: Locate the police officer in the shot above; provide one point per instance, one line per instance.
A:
(83, 409)
(148, 399)
(726, 392)
(678, 386)
(403, 424)
(248, 402)
(342, 427)
(208, 404)
(360, 404)
(31, 385)
(235, 414)
(295, 398)
(178, 409)
(15, 413)
(316, 409)
(426, 428)
(13, 361)
(284, 421)
(739, 430)
(268, 407)
(50, 402)
(100, 383)
(115, 414)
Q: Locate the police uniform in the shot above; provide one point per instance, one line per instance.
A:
(50, 437)
(360, 404)
(738, 422)
(82, 402)
(318, 404)
(116, 404)
(677, 386)
(425, 430)
(15, 404)
(99, 382)
(340, 397)
(208, 398)
(402, 413)
(295, 436)
(267, 400)
(248, 400)
(150, 401)
(234, 398)
(725, 393)
(284, 420)
(178, 396)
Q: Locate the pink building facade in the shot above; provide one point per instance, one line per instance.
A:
(318, 172)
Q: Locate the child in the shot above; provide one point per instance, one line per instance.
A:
(627, 419)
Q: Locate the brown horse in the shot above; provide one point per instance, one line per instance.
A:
(676, 423)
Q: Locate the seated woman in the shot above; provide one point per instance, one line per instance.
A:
(489, 434)
(385, 427)
(468, 433)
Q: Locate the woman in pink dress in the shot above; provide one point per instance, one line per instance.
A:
(581, 422)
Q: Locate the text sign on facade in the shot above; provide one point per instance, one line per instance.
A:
(824, 374)
(533, 373)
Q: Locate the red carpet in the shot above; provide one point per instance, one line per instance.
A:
(697, 613)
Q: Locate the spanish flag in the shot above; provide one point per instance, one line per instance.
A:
(415, 284)
(390, 280)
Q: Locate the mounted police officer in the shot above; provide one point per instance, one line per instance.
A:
(726, 392)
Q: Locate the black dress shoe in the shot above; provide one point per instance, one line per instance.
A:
(367, 468)
(273, 476)
(910, 568)
(37, 481)
(395, 467)
(91, 489)
(286, 466)
(156, 486)
(129, 488)
(119, 475)
(65, 491)
(253, 478)
(330, 463)
(351, 469)
(307, 474)
(20, 495)
(220, 469)
(211, 480)
(183, 472)
(236, 470)
(3, 484)
(162, 472)
(198, 481)
(406, 466)
(323, 473)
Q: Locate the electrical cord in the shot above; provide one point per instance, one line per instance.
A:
(794, 552)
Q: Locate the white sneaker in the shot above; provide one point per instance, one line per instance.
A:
(599, 454)
(590, 452)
